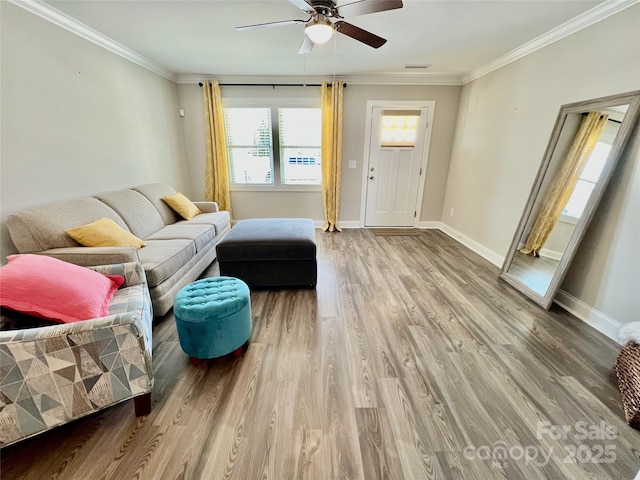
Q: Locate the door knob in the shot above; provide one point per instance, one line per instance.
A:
(371, 177)
(372, 169)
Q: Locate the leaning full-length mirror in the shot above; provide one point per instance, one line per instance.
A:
(585, 146)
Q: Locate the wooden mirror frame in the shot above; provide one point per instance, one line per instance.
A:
(626, 127)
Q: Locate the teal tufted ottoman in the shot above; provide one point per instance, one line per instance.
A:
(213, 317)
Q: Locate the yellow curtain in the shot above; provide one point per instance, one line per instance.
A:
(583, 144)
(331, 96)
(217, 167)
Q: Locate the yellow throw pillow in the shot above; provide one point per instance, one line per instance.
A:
(104, 233)
(182, 205)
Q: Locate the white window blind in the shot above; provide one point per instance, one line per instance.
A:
(300, 131)
(249, 145)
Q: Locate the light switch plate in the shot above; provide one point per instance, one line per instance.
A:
(352, 164)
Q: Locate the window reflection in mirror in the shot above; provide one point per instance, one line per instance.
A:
(593, 168)
(536, 268)
(583, 150)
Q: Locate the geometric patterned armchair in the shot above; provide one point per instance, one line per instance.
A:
(54, 374)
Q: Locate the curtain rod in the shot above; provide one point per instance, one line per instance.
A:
(272, 85)
(584, 114)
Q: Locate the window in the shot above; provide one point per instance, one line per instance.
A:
(587, 181)
(300, 138)
(399, 128)
(249, 145)
(274, 146)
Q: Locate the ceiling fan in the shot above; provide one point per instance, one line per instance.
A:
(325, 17)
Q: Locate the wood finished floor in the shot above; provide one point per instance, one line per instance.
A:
(411, 360)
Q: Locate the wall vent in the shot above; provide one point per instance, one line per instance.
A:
(416, 67)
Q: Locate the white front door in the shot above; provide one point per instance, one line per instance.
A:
(395, 170)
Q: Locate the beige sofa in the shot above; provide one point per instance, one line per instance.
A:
(177, 251)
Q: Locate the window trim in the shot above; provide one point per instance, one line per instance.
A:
(568, 219)
(274, 104)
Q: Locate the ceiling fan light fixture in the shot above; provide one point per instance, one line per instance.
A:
(320, 30)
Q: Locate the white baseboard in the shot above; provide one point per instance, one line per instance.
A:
(430, 225)
(478, 248)
(598, 320)
(351, 224)
(593, 317)
(357, 224)
(552, 254)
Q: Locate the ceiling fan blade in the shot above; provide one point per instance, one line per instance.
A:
(359, 34)
(303, 5)
(269, 24)
(306, 47)
(363, 7)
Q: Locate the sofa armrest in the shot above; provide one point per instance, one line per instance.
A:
(133, 272)
(207, 207)
(74, 328)
(122, 370)
(138, 319)
(91, 256)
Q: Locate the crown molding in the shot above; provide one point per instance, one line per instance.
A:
(588, 18)
(413, 78)
(58, 18)
(594, 15)
(373, 79)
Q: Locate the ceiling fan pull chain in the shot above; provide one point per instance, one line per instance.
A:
(335, 50)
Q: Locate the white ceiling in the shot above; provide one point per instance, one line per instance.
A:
(198, 37)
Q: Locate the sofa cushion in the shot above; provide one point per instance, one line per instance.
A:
(104, 233)
(138, 213)
(43, 228)
(220, 220)
(154, 193)
(50, 288)
(129, 299)
(201, 235)
(162, 258)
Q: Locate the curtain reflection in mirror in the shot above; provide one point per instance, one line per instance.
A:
(585, 146)
(564, 185)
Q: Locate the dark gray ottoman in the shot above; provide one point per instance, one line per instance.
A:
(270, 252)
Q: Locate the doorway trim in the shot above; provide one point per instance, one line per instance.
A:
(399, 104)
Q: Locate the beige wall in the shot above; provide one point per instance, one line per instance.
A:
(245, 204)
(309, 204)
(504, 124)
(77, 120)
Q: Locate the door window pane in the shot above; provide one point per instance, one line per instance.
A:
(399, 128)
